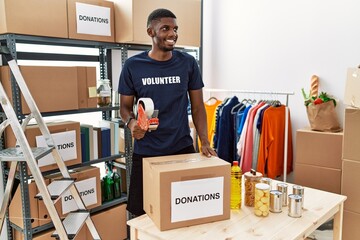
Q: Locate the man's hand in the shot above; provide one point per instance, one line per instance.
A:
(207, 150)
(136, 131)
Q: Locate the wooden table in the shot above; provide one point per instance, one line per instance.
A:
(319, 207)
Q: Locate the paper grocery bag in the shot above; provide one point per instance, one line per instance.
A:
(322, 117)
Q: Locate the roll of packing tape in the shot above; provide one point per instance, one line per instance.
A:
(148, 106)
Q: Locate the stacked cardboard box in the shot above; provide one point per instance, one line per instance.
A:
(351, 169)
(318, 160)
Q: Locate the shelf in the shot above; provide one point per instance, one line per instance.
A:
(57, 41)
(82, 110)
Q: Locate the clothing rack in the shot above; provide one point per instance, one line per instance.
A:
(286, 94)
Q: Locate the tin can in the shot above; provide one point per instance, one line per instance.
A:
(251, 179)
(299, 190)
(295, 209)
(283, 187)
(275, 201)
(267, 181)
(262, 200)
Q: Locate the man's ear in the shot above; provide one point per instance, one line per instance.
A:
(150, 32)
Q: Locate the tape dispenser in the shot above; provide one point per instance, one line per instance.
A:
(147, 117)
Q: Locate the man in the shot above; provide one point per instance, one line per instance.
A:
(168, 77)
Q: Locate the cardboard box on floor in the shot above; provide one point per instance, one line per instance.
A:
(131, 17)
(88, 184)
(322, 149)
(185, 190)
(91, 20)
(69, 142)
(351, 225)
(351, 143)
(350, 181)
(38, 17)
(110, 224)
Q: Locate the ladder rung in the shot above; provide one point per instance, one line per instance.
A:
(73, 223)
(16, 154)
(57, 187)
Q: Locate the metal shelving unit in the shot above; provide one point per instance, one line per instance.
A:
(104, 58)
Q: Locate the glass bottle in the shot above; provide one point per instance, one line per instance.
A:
(104, 93)
(108, 186)
(117, 183)
(262, 199)
(236, 174)
(251, 179)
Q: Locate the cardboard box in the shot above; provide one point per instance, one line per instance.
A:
(15, 210)
(40, 17)
(170, 181)
(43, 213)
(352, 86)
(88, 185)
(91, 20)
(349, 183)
(86, 77)
(67, 135)
(131, 17)
(110, 224)
(46, 235)
(351, 142)
(351, 223)
(326, 179)
(53, 88)
(323, 149)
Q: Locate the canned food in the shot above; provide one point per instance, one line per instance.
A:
(275, 201)
(299, 190)
(282, 187)
(251, 179)
(262, 200)
(267, 181)
(295, 209)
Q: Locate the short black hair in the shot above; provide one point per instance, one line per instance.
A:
(159, 13)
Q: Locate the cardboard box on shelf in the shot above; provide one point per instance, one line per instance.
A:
(131, 17)
(53, 88)
(87, 87)
(349, 183)
(350, 225)
(40, 18)
(88, 185)
(16, 211)
(326, 179)
(66, 136)
(351, 142)
(91, 20)
(110, 224)
(170, 181)
(323, 149)
(43, 213)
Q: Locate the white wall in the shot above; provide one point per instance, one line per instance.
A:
(278, 45)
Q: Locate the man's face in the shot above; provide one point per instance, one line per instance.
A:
(164, 33)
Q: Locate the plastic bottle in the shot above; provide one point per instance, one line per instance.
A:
(117, 183)
(108, 186)
(236, 174)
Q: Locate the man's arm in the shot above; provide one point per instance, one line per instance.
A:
(126, 113)
(199, 118)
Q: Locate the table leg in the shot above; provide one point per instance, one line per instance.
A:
(133, 233)
(338, 223)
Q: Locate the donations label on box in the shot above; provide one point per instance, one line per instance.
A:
(65, 143)
(88, 192)
(92, 19)
(195, 199)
